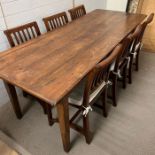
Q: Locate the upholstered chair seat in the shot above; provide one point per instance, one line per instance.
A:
(76, 97)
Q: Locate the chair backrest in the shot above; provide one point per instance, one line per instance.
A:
(136, 36)
(150, 18)
(127, 43)
(55, 21)
(100, 74)
(77, 12)
(144, 25)
(21, 34)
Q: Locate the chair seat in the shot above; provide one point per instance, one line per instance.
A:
(76, 97)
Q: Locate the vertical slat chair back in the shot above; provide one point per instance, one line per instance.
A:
(100, 74)
(124, 54)
(137, 36)
(21, 34)
(77, 12)
(55, 21)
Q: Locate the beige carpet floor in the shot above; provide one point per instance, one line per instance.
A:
(10, 147)
(128, 130)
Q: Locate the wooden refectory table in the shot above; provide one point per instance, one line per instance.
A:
(50, 66)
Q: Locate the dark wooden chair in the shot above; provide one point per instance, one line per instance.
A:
(145, 24)
(88, 91)
(55, 21)
(21, 34)
(77, 12)
(86, 94)
(119, 69)
(137, 44)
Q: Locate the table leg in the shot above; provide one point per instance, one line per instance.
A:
(49, 114)
(14, 99)
(63, 116)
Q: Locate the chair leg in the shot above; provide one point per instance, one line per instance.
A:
(137, 61)
(114, 86)
(49, 114)
(124, 76)
(86, 128)
(104, 101)
(130, 70)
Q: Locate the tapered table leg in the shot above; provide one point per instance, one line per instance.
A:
(14, 99)
(63, 116)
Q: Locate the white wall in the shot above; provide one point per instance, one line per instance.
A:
(19, 12)
(3, 45)
(92, 4)
(3, 41)
(118, 5)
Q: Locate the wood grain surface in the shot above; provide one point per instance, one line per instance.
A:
(50, 66)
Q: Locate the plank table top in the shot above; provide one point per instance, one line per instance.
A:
(50, 66)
